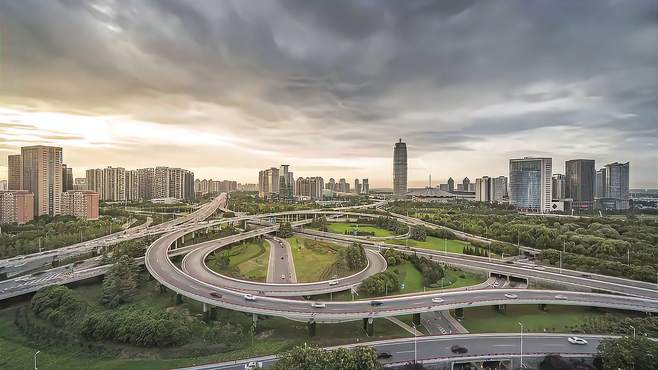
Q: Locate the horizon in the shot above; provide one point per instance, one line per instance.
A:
(230, 88)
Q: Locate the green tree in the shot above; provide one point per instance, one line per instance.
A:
(285, 230)
(120, 282)
(639, 353)
(418, 233)
(58, 304)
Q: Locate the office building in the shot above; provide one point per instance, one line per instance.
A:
(444, 187)
(451, 184)
(14, 172)
(558, 186)
(465, 184)
(499, 189)
(530, 184)
(579, 183)
(365, 187)
(343, 186)
(400, 168)
(16, 206)
(617, 193)
(42, 175)
(67, 178)
(599, 184)
(483, 189)
(81, 204)
(286, 182)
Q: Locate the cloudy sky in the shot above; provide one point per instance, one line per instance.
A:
(227, 87)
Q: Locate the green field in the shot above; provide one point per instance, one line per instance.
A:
(341, 227)
(559, 319)
(248, 260)
(313, 259)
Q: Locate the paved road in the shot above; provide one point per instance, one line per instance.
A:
(438, 349)
(281, 268)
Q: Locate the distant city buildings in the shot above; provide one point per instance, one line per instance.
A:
(3, 185)
(286, 183)
(16, 206)
(42, 175)
(365, 187)
(400, 169)
(210, 186)
(247, 187)
(559, 192)
(67, 178)
(309, 188)
(579, 182)
(14, 172)
(530, 184)
(81, 203)
(116, 184)
(615, 185)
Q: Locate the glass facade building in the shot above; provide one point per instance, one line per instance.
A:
(530, 184)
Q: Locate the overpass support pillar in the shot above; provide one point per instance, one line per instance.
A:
(416, 319)
(254, 320)
(459, 313)
(311, 328)
(542, 306)
(163, 289)
(501, 308)
(368, 326)
(183, 240)
(209, 313)
(179, 298)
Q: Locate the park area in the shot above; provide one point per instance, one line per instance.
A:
(247, 260)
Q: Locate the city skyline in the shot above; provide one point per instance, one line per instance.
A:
(233, 86)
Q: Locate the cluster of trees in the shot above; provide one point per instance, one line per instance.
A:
(120, 282)
(58, 305)
(440, 233)
(394, 257)
(598, 265)
(305, 356)
(475, 251)
(418, 233)
(358, 232)
(614, 324)
(639, 353)
(390, 224)
(352, 258)
(379, 284)
(53, 232)
(610, 240)
(319, 223)
(137, 326)
(432, 271)
(285, 230)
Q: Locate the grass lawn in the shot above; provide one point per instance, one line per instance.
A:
(248, 260)
(341, 227)
(437, 244)
(559, 319)
(314, 260)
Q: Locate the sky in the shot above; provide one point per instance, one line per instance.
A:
(225, 88)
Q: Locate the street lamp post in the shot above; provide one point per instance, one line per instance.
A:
(35, 359)
(633, 327)
(521, 351)
(415, 335)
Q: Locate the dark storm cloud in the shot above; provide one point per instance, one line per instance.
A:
(311, 76)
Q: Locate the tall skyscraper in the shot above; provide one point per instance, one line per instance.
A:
(400, 168)
(530, 184)
(42, 175)
(558, 186)
(483, 189)
(579, 182)
(498, 189)
(357, 186)
(365, 187)
(466, 183)
(599, 184)
(132, 185)
(15, 172)
(617, 192)
(342, 186)
(286, 182)
(451, 185)
(268, 182)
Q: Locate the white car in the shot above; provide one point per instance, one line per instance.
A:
(333, 282)
(577, 340)
(253, 365)
(283, 277)
(511, 296)
(437, 300)
(560, 297)
(318, 305)
(249, 297)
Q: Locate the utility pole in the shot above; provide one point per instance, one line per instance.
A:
(415, 336)
(521, 352)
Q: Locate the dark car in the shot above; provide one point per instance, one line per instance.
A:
(375, 303)
(384, 355)
(215, 294)
(458, 349)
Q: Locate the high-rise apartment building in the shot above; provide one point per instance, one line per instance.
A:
(114, 184)
(81, 203)
(145, 178)
(16, 206)
(483, 189)
(310, 187)
(268, 182)
(80, 183)
(365, 186)
(530, 184)
(617, 193)
(95, 181)
(559, 183)
(579, 183)
(331, 185)
(357, 186)
(15, 172)
(400, 168)
(599, 184)
(342, 186)
(132, 185)
(42, 175)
